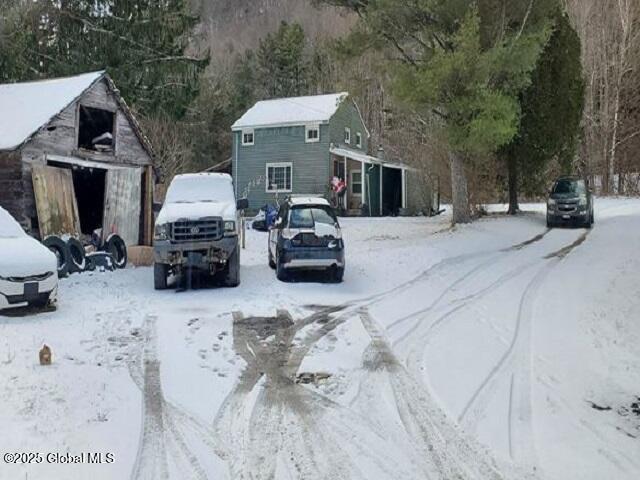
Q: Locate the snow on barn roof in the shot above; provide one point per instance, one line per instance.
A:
(26, 107)
(291, 111)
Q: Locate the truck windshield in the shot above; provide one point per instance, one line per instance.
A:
(200, 188)
(569, 186)
(307, 217)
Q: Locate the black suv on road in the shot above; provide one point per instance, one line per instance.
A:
(570, 202)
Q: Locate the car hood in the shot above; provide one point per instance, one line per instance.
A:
(172, 212)
(24, 256)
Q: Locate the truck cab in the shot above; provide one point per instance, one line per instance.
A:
(198, 228)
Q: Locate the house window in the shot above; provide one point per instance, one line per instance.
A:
(356, 183)
(96, 129)
(359, 140)
(247, 137)
(312, 134)
(279, 177)
(347, 135)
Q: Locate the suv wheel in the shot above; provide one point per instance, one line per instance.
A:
(272, 263)
(281, 272)
(337, 274)
(160, 274)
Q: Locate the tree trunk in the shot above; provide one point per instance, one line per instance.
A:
(459, 190)
(512, 168)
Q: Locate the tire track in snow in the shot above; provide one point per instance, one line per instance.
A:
(517, 363)
(447, 451)
(163, 424)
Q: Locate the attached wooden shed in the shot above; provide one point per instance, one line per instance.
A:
(73, 159)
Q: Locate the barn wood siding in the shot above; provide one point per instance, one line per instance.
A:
(12, 188)
(59, 137)
(56, 199)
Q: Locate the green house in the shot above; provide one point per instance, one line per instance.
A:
(296, 146)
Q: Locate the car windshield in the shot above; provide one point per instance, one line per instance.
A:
(569, 186)
(307, 217)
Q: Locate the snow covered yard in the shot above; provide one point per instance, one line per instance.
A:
(474, 353)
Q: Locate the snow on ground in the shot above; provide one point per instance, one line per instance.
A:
(477, 352)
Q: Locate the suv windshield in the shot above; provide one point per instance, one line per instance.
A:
(569, 186)
(307, 217)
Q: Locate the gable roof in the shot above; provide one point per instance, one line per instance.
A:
(26, 107)
(291, 111)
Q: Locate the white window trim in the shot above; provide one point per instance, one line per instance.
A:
(347, 135)
(306, 133)
(359, 140)
(351, 183)
(276, 165)
(253, 136)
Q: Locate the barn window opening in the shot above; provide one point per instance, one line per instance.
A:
(96, 130)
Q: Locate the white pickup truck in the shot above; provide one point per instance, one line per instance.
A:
(198, 228)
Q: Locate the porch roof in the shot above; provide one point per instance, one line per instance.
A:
(364, 158)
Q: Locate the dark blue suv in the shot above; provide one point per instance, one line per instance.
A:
(306, 236)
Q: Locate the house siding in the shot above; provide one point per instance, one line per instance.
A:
(348, 116)
(310, 162)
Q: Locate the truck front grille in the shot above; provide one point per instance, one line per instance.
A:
(203, 230)
(568, 207)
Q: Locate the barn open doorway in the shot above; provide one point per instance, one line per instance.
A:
(89, 186)
(391, 191)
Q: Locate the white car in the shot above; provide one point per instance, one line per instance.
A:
(28, 269)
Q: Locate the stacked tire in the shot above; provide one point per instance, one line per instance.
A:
(72, 257)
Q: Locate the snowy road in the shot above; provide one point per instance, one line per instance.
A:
(477, 353)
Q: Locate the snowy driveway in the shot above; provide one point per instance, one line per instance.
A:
(477, 353)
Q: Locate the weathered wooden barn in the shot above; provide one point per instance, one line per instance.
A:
(73, 159)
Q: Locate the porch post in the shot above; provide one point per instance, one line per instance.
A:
(364, 186)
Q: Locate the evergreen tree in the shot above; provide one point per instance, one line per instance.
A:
(142, 44)
(451, 61)
(551, 113)
(283, 64)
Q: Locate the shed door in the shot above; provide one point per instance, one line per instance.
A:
(122, 204)
(55, 201)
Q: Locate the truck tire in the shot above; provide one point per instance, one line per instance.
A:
(61, 251)
(78, 261)
(337, 274)
(116, 247)
(233, 269)
(272, 263)
(160, 274)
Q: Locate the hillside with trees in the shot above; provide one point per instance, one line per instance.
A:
(489, 101)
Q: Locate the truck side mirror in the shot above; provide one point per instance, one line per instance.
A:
(242, 204)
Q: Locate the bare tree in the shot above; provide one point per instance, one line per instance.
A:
(610, 34)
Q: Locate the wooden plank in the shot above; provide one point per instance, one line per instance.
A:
(55, 201)
(148, 207)
(122, 204)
